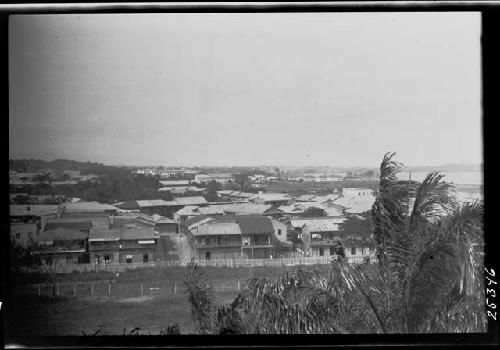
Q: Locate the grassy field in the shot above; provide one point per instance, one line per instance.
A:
(126, 308)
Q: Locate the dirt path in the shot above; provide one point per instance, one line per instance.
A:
(182, 247)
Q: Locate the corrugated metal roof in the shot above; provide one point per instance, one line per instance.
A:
(190, 200)
(80, 225)
(133, 231)
(195, 219)
(35, 210)
(321, 226)
(61, 234)
(187, 210)
(246, 208)
(356, 204)
(305, 197)
(217, 228)
(250, 224)
(273, 196)
(88, 206)
(155, 203)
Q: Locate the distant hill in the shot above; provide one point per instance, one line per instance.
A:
(27, 165)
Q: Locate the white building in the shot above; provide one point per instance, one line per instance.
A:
(207, 178)
(354, 192)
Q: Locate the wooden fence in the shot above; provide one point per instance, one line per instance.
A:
(230, 263)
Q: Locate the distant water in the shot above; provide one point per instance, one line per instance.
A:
(459, 178)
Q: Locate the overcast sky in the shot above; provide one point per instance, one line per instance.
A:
(337, 89)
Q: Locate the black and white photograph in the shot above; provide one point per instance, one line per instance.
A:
(246, 173)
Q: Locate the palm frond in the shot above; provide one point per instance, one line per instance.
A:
(202, 299)
(433, 199)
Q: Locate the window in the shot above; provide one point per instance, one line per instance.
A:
(353, 250)
(30, 235)
(362, 250)
(207, 256)
(321, 252)
(18, 236)
(107, 259)
(145, 258)
(279, 232)
(129, 259)
(332, 251)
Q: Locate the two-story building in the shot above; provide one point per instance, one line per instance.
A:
(62, 246)
(234, 236)
(126, 241)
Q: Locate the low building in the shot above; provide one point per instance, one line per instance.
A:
(245, 208)
(128, 207)
(274, 199)
(355, 192)
(158, 206)
(174, 183)
(207, 178)
(191, 210)
(161, 225)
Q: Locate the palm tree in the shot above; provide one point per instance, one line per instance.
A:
(431, 253)
(428, 277)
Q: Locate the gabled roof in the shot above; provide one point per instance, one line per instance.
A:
(211, 210)
(321, 226)
(61, 234)
(271, 197)
(80, 225)
(155, 203)
(133, 231)
(246, 208)
(195, 219)
(326, 198)
(305, 197)
(154, 219)
(190, 200)
(187, 210)
(250, 224)
(359, 204)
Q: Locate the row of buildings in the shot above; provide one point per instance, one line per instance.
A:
(242, 225)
